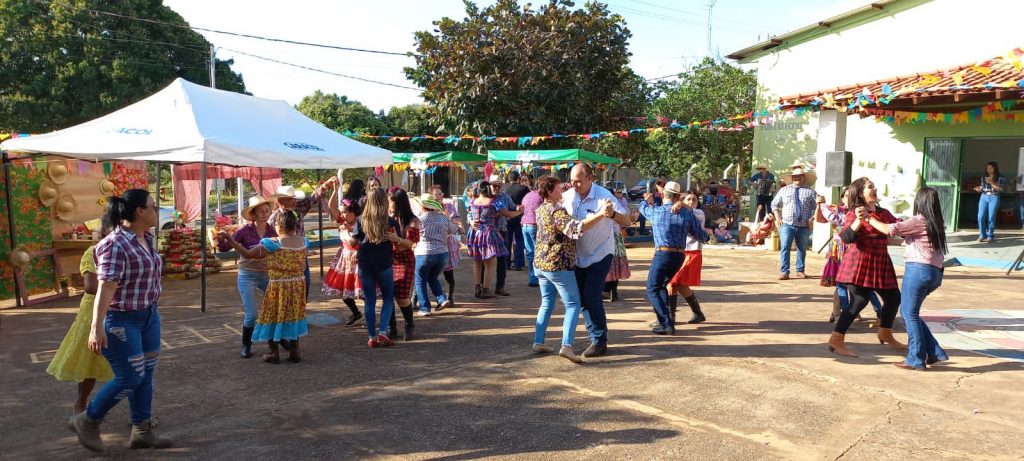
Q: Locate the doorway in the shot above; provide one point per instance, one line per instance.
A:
(955, 166)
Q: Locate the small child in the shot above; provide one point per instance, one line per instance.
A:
(722, 234)
(282, 315)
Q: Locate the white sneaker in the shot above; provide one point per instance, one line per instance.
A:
(423, 313)
(542, 348)
(446, 304)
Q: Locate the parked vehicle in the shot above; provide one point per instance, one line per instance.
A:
(637, 192)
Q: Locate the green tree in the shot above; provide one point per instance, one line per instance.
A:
(710, 90)
(339, 114)
(510, 69)
(62, 64)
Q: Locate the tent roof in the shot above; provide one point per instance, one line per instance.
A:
(551, 156)
(439, 157)
(185, 122)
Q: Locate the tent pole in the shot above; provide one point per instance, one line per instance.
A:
(202, 239)
(241, 190)
(320, 227)
(156, 199)
(10, 218)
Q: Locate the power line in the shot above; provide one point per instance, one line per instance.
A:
(300, 66)
(238, 34)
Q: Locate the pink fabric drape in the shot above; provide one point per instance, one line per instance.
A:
(188, 190)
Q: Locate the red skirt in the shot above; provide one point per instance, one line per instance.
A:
(689, 274)
(405, 273)
(867, 264)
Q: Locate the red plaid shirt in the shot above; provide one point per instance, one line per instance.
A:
(866, 262)
(121, 258)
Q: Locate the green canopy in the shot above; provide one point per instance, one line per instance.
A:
(550, 156)
(439, 157)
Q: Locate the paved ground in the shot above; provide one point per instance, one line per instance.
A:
(754, 382)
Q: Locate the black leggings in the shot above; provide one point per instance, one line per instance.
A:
(449, 276)
(859, 299)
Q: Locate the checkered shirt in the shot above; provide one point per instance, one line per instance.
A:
(121, 258)
(866, 262)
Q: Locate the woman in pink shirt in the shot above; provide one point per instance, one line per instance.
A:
(925, 235)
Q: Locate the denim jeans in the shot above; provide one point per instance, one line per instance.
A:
(590, 281)
(664, 265)
(529, 243)
(919, 280)
(844, 298)
(988, 208)
(428, 269)
(1020, 206)
(789, 233)
(515, 235)
(251, 286)
(386, 280)
(130, 336)
(564, 284)
(502, 270)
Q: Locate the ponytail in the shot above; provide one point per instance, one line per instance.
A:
(123, 208)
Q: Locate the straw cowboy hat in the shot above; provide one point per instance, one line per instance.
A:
(48, 193)
(809, 175)
(496, 179)
(66, 207)
(428, 202)
(58, 172)
(287, 192)
(673, 187)
(254, 202)
(107, 187)
(20, 256)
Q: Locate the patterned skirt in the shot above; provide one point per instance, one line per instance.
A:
(620, 263)
(867, 264)
(454, 253)
(486, 243)
(342, 280)
(405, 273)
(689, 274)
(74, 361)
(832, 263)
(283, 312)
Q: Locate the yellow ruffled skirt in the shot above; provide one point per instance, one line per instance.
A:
(73, 360)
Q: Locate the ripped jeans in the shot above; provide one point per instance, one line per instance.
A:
(133, 345)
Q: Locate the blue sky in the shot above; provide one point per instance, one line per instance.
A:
(668, 36)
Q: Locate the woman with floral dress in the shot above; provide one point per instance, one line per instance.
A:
(283, 311)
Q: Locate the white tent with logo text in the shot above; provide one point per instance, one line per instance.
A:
(186, 123)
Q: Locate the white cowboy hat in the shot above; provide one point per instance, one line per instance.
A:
(254, 202)
(58, 172)
(809, 175)
(288, 192)
(673, 187)
(48, 193)
(496, 179)
(66, 207)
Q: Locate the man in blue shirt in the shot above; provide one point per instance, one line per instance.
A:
(670, 223)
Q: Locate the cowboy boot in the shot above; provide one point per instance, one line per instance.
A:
(143, 437)
(885, 337)
(837, 344)
(698, 316)
(409, 326)
(246, 342)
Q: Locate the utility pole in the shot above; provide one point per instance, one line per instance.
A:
(711, 5)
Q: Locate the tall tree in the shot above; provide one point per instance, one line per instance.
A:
(66, 62)
(510, 69)
(709, 90)
(340, 114)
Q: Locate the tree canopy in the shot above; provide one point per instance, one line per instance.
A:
(62, 64)
(515, 70)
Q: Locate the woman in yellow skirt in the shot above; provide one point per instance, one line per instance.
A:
(73, 360)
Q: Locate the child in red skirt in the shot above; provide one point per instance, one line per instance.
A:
(342, 278)
(689, 275)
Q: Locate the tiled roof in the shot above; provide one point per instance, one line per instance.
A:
(995, 79)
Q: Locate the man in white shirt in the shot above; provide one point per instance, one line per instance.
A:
(594, 250)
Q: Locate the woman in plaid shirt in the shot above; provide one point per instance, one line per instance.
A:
(866, 267)
(125, 322)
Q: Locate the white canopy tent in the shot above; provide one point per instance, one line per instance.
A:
(189, 123)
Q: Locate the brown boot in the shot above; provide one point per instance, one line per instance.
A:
(837, 344)
(885, 337)
(88, 432)
(295, 355)
(143, 437)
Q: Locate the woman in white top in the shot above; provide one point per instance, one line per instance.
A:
(689, 275)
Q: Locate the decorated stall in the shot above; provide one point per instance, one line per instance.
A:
(555, 160)
(188, 123)
(451, 169)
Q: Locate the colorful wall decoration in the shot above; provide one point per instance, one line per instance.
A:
(33, 229)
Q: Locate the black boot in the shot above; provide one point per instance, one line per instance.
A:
(407, 315)
(246, 342)
(615, 291)
(449, 276)
(698, 316)
(356, 315)
(673, 306)
(393, 326)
